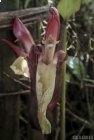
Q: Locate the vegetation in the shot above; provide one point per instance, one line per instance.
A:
(75, 110)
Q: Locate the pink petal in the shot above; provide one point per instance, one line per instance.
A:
(53, 26)
(59, 57)
(15, 48)
(22, 33)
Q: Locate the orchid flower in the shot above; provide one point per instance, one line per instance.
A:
(42, 66)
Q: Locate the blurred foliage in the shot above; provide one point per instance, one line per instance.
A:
(76, 67)
(32, 3)
(67, 8)
(80, 72)
(80, 38)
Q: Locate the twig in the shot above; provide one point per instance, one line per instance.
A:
(87, 123)
(23, 119)
(26, 15)
(81, 129)
(79, 84)
(17, 81)
(57, 133)
(88, 104)
(15, 93)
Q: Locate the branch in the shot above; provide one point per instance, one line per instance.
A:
(17, 81)
(15, 93)
(79, 84)
(87, 123)
(26, 15)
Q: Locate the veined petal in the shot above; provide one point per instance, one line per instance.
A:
(15, 48)
(45, 84)
(53, 26)
(23, 34)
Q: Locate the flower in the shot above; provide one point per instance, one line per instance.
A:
(43, 66)
(20, 67)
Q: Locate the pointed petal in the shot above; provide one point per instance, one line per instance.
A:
(59, 58)
(22, 33)
(15, 48)
(53, 26)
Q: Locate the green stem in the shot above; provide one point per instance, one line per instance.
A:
(63, 94)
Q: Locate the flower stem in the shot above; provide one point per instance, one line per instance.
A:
(63, 74)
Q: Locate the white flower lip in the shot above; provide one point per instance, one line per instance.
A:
(50, 45)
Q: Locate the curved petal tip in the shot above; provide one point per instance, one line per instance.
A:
(53, 26)
(22, 34)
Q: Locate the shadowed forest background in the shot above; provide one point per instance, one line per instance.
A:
(79, 77)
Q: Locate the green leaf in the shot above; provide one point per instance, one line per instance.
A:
(86, 1)
(67, 8)
(68, 76)
(77, 67)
